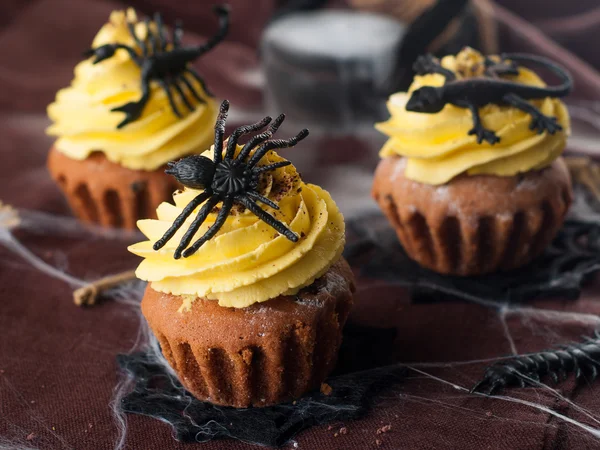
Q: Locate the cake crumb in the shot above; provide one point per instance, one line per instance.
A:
(30, 436)
(330, 427)
(384, 429)
(32, 402)
(336, 434)
(326, 389)
(343, 430)
(378, 442)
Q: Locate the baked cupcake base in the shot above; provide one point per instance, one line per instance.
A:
(474, 224)
(264, 354)
(102, 192)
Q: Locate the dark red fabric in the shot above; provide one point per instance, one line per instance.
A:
(57, 361)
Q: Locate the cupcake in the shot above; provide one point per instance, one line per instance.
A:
(133, 105)
(247, 289)
(481, 187)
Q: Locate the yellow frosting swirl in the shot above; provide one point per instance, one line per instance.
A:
(247, 261)
(438, 147)
(84, 123)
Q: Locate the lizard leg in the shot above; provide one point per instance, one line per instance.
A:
(539, 121)
(429, 64)
(482, 133)
(496, 69)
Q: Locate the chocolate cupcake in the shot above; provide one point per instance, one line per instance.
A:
(473, 188)
(248, 302)
(118, 124)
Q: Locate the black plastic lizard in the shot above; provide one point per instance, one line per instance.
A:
(164, 62)
(476, 92)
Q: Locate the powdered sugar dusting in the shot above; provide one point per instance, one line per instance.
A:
(399, 169)
(530, 184)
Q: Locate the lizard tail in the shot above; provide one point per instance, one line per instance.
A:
(420, 34)
(563, 74)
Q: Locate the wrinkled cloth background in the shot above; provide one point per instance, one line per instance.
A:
(57, 361)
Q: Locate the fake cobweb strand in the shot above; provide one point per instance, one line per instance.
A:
(16, 247)
(505, 310)
(273, 426)
(46, 224)
(130, 295)
(35, 417)
(41, 223)
(554, 316)
(595, 432)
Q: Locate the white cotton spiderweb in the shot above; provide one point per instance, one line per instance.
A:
(544, 324)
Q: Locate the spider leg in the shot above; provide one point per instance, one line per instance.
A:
(260, 138)
(261, 198)
(136, 38)
(162, 42)
(240, 131)
(179, 221)
(277, 143)
(215, 227)
(273, 166)
(182, 95)
(199, 79)
(177, 33)
(220, 131)
(267, 218)
(198, 221)
(165, 86)
(188, 85)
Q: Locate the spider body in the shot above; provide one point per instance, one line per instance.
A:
(164, 62)
(228, 179)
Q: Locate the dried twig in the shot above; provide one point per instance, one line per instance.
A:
(9, 217)
(89, 294)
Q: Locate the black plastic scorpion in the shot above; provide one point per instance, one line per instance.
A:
(228, 180)
(164, 62)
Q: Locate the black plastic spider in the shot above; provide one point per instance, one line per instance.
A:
(164, 62)
(228, 180)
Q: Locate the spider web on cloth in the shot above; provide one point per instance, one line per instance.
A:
(158, 393)
(430, 377)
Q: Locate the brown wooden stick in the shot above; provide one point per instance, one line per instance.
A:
(9, 217)
(88, 295)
